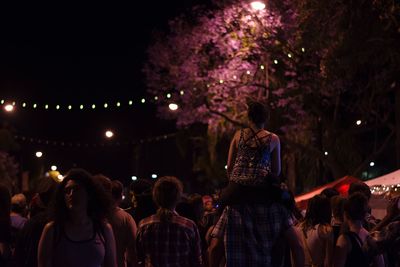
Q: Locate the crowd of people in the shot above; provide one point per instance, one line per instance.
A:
(85, 221)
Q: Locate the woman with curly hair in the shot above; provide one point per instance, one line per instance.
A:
(78, 235)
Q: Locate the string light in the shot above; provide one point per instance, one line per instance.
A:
(105, 105)
(168, 95)
(358, 122)
(275, 61)
(130, 102)
(262, 67)
(23, 104)
(34, 105)
(221, 81)
(93, 106)
(2, 101)
(156, 98)
(46, 106)
(248, 72)
(303, 49)
(58, 107)
(143, 100)
(69, 107)
(118, 104)
(289, 55)
(182, 92)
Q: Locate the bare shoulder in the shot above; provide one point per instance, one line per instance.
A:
(49, 227)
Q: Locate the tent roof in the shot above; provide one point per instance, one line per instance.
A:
(388, 179)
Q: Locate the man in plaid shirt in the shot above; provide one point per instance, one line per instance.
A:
(165, 238)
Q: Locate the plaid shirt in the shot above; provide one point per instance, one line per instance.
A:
(168, 244)
(250, 232)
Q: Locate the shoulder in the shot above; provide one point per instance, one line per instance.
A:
(49, 227)
(325, 231)
(148, 221)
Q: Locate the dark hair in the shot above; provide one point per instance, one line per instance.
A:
(330, 192)
(318, 211)
(360, 187)
(116, 189)
(99, 204)
(257, 112)
(337, 204)
(167, 192)
(356, 206)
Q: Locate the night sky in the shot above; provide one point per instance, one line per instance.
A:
(82, 55)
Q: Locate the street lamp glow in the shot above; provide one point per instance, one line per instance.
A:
(372, 164)
(134, 178)
(109, 134)
(53, 168)
(257, 5)
(9, 108)
(154, 176)
(39, 154)
(358, 122)
(173, 106)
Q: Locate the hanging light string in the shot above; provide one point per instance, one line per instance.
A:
(48, 142)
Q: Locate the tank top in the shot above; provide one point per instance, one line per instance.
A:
(85, 253)
(252, 164)
(356, 257)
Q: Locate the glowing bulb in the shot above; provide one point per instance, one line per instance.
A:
(226, 167)
(109, 134)
(168, 95)
(182, 92)
(130, 102)
(23, 104)
(39, 154)
(13, 103)
(93, 106)
(2, 101)
(134, 178)
(262, 67)
(275, 61)
(303, 50)
(143, 100)
(372, 164)
(69, 107)
(81, 106)
(58, 107)
(221, 81)
(248, 72)
(358, 122)
(289, 55)
(154, 176)
(46, 106)
(156, 98)
(173, 106)
(53, 168)
(118, 104)
(9, 108)
(326, 153)
(234, 77)
(257, 5)
(34, 106)
(105, 105)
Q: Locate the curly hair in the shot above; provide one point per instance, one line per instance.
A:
(99, 205)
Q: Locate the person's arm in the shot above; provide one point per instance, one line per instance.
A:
(329, 246)
(110, 258)
(215, 252)
(45, 249)
(342, 248)
(295, 245)
(196, 248)
(131, 249)
(276, 156)
(232, 153)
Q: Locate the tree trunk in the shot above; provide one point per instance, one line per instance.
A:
(291, 172)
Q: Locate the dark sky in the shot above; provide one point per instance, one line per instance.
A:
(82, 54)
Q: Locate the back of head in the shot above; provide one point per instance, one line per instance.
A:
(337, 204)
(318, 211)
(356, 206)
(117, 189)
(257, 113)
(167, 192)
(330, 192)
(360, 187)
(104, 181)
(18, 203)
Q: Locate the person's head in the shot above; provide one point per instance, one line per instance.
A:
(104, 181)
(167, 192)
(117, 189)
(208, 203)
(337, 204)
(78, 192)
(356, 207)
(18, 204)
(257, 113)
(330, 192)
(360, 187)
(318, 211)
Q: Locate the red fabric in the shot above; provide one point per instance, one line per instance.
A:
(341, 185)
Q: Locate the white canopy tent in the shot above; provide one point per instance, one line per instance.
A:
(387, 179)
